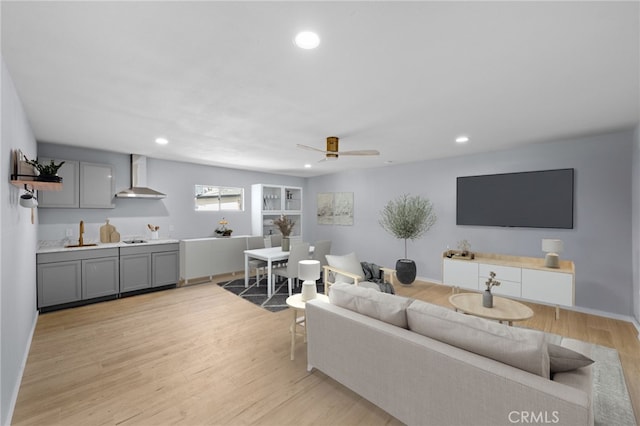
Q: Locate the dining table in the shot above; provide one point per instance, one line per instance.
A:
(270, 255)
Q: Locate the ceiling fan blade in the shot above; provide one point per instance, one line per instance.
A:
(311, 148)
(361, 152)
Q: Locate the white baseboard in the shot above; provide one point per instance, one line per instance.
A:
(23, 364)
(605, 314)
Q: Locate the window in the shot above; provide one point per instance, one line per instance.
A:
(218, 198)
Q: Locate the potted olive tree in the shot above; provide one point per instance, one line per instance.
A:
(407, 218)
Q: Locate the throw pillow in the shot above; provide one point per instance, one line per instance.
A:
(518, 347)
(348, 263)
(563, 359)
(370, 302)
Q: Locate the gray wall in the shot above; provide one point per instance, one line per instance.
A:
(636, 222)
(600, 243)
(19, 238)
(174, 214)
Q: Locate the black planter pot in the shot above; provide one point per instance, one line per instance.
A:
(406, 271)
(48, 178)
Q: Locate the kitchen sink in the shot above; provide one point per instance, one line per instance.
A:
(134, 241)
(79, 245)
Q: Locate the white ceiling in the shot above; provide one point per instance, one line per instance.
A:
(225, 84)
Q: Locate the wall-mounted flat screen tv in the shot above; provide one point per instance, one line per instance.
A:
(538, 199)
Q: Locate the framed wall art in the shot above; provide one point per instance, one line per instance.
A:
(335, 208)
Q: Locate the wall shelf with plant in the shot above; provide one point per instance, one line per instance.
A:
(23, 174)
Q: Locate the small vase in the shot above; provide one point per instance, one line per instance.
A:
(487, 299)
(285, 244)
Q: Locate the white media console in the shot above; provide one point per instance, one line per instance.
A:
(520, 277)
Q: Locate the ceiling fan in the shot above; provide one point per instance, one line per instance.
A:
(332, 152)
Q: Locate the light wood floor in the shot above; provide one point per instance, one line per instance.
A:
(200, 355)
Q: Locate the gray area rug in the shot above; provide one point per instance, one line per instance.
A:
(611, 400)
(258, 294)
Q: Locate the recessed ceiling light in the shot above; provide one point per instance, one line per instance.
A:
(462, 139)
(307, 166)
(307, 40)
(162, 141)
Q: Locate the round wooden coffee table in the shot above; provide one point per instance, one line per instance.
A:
(506, 310)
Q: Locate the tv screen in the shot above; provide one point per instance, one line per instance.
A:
(539, 199)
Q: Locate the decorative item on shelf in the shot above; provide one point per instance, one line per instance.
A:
(285, 225)
(46, 172)
(552, 248)
(407, 218)
(309, 271)
(464, 247)
(28, 200)
(222, 230)
(154, 231)
(487, 297)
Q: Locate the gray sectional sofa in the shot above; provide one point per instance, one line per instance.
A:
(429, 365)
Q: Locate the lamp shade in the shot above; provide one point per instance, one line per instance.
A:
(309, 270)
(552, 246)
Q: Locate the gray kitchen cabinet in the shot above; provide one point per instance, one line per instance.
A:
(97, 186)
(84, 185)
(76, 275)
(165, 268)
(95, 274)
(148, 265)
(59, 282)
(99, 277)
(68, 197)
(135, 270)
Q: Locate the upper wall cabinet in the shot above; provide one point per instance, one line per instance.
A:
(97, 186)
(69, 196)
(85, 185)
(268, 202)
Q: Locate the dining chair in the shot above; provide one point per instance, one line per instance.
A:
(299, 251)
(276, 240)
(320, 250)
(256, 242)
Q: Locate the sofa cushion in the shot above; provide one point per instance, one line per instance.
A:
(521, 348)
(563, 359)
(372, 303)
(348, 263)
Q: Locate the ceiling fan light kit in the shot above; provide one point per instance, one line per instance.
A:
(333, 152)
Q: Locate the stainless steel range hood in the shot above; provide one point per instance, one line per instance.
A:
(139, 187)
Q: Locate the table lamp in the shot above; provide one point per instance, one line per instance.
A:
(552, 248)
(309, 271)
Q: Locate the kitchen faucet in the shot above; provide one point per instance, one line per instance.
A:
(80, 240)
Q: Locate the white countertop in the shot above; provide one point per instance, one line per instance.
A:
(58, 246)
